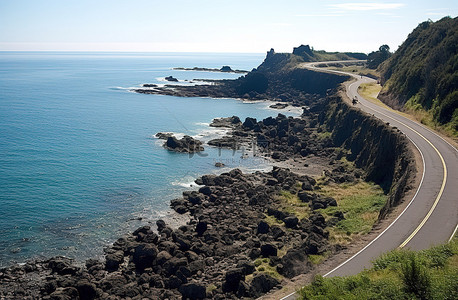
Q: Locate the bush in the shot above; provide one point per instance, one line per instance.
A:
(416, 278)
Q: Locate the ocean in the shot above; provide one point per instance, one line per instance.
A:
(79, 163)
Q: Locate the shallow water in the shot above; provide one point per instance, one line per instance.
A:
(78, 160)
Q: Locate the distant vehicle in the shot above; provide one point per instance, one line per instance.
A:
(354, 101)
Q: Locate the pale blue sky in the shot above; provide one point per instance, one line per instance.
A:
(212, 25)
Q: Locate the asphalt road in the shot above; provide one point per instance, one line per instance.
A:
(431, 216)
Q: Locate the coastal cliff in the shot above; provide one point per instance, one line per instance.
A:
(381, 150)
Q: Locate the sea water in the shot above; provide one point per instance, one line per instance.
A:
(79, 163)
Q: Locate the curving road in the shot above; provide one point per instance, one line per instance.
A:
(431, 216)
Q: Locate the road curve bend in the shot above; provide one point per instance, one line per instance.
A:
(431, 216)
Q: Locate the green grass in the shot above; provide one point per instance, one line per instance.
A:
(400, 274)
(263, 267)
(360, 202)
(210, 288)
(271, 220)
(324, 135)
(290, 203)
(317, 259)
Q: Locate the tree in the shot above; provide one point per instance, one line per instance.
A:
(375, 58)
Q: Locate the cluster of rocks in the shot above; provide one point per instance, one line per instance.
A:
(213, 256)
(229, 122)
(281, 138)
(171, 79)
(186, 144)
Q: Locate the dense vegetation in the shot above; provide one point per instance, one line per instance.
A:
(375, 58)
(400, 274)
(423, 73)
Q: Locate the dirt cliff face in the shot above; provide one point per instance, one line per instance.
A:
(382, 151)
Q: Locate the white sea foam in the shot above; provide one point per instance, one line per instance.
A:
(120, 88)
(187, 182)
(202, 124)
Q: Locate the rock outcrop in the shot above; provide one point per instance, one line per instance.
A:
(186, 144)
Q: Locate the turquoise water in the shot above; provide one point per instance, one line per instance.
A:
(78, 160)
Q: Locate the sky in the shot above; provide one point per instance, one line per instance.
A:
(212, 25)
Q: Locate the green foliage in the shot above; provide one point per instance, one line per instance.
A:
(374, 59)
(353, 287)
(424, 70)
(399, 274)
(416, 277)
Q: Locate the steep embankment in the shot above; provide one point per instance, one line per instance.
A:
(374, 146)
(423, 72)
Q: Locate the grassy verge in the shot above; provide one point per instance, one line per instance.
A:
(412, 110)
(370, 92)
(360, 202)
(400, 274)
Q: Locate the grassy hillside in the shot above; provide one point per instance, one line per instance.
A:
(423, 73)
(310, 55)
(400, 274)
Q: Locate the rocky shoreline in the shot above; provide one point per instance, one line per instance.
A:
(209, 257)
(245, 232)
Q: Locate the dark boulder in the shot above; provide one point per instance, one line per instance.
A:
(277, 232)
(206, 190)
(201, 227)
(307, 186)
(229, 122)
(62, 266)
(186, 144)
(86, 290)
(278, 214)
(293, 263)
(232, 279)
(193, 291)
(291, 221)
(247, 266)
(160, 225)
(318, 220)
(171, 78)
(262, 284)
(249, 123)
(162, 257)
(305, 196)
(113, 260)
(268, 250)
(263, 227)
(194, 197)
(144, 256)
